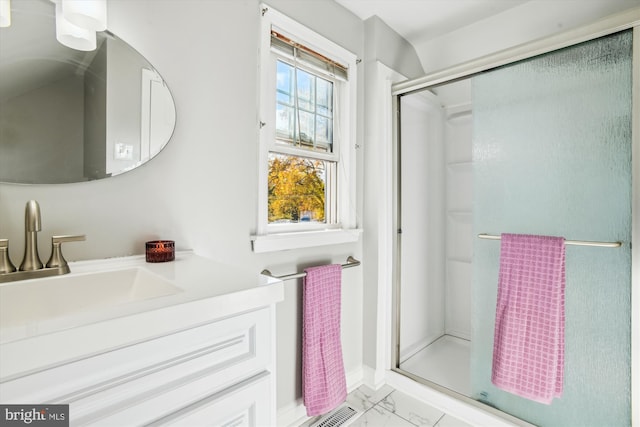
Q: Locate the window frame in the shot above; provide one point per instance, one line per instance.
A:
(341, 186)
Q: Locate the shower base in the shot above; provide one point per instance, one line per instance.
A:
(446, 361)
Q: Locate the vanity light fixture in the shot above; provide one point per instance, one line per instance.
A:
(5, 13)
(78, 20)
(89, 14)
(71, 35)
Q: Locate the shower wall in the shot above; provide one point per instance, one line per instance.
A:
(459, 215)
(422, 292)
(436, 217)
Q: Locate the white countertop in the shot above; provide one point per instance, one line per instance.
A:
(207, 291)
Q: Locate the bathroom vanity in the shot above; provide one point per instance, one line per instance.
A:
(124, 342)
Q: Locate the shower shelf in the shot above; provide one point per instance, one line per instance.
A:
(459, 110)
(464, 166)
(460, 215)
(459, 259)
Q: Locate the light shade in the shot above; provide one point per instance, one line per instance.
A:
(89, 14)
(5, 13)
(73, 36)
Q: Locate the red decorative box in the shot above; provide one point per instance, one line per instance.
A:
(160, 250)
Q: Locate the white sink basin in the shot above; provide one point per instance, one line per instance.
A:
(111, 303)
(39, 300)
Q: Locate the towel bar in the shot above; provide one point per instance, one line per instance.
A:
(566, 242)
(351, 262)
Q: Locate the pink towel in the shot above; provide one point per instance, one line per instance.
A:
(324, 384)
(528, 347)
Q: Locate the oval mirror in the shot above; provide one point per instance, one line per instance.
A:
(68, 115)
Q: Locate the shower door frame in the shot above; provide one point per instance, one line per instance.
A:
(629, 19)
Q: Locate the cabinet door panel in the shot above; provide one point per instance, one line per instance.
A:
(246, 405)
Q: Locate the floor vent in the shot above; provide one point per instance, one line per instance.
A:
(342, 416)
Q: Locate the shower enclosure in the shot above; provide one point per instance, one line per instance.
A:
(436, 221)
(542, 145)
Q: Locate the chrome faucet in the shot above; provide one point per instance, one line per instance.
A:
(31, 266)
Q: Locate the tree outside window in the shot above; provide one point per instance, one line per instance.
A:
(297, 188)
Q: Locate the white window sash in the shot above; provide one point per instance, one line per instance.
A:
(301, 152)
(279, 147)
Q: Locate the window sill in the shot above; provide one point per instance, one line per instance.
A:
(303, 239)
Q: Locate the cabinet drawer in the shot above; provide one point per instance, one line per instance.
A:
(244, 404)
(214, 356)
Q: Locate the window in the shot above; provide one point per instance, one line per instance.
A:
(307, 138)
(299, 181)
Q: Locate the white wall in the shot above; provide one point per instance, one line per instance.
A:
(201, 189)
(383, 44)
(388, 59)
(379, 233)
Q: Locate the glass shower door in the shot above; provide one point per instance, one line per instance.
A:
(552, 156)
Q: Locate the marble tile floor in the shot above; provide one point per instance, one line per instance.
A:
(388, 407)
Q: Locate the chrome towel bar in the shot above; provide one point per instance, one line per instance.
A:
(566, 242)
(351, 262)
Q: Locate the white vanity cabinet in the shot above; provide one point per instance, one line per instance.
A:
(204, 370)
(205, 375)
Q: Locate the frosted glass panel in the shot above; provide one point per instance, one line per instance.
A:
(552, 156)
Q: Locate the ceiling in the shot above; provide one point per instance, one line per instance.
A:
(417, 20)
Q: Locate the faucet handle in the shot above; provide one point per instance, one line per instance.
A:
(56, 259)
(68, 238)
(5, 262)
